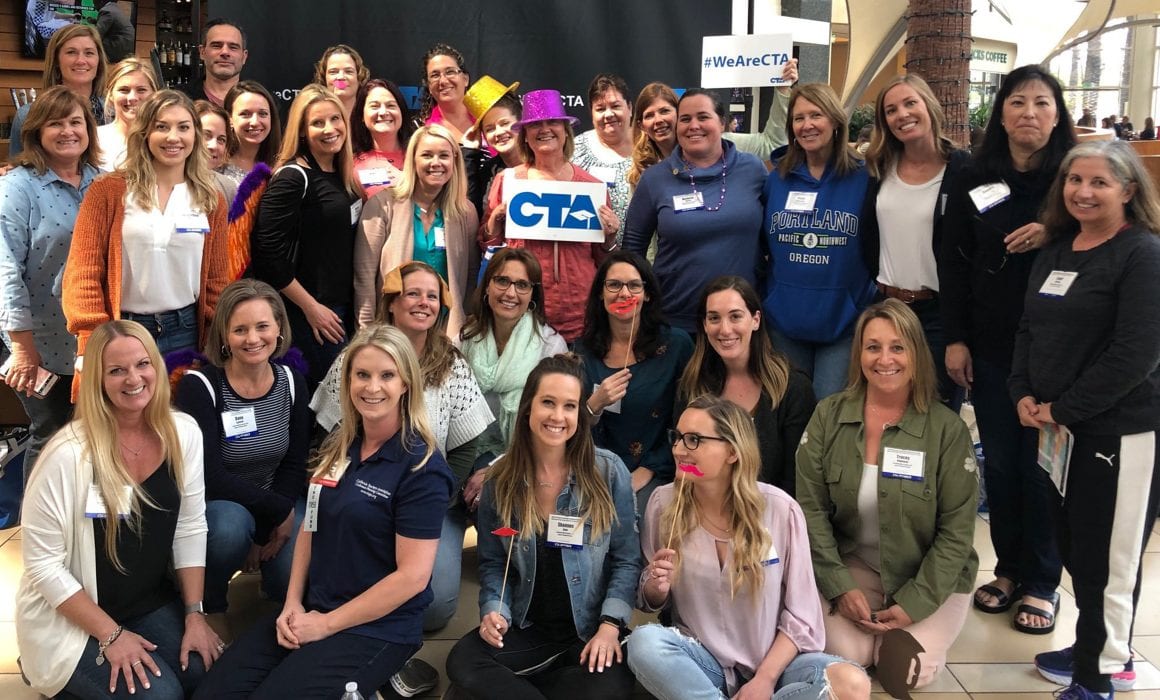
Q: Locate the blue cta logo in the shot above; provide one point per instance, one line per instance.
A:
(559, 210)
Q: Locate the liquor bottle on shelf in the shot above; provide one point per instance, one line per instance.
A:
(173, 54)
(163, 56)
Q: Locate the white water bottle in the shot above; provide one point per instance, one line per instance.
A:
(352, 692)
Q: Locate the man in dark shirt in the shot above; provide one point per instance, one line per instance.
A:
(116, 31)
(223, 51)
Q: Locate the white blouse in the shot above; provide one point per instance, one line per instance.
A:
(161, 254)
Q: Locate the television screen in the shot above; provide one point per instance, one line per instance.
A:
(42, 19)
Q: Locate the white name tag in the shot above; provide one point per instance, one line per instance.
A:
(603, 173)
(313, 495)
(240, 423)
(1057, 283)
(440, 237)
(771, 557)
(565, 531)
(902, 464)
(612, 407)
(192, 223)
(355, 211)
(95, 505)
(987, 196)
(688, 202)
(372, 177)
(801, 201)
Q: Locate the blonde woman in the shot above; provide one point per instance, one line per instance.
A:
(303, 241)
(572, 505)
(116, 498)
(131, 82)
(427, 217)
(150, 239)
(363, 560)
(730, 559)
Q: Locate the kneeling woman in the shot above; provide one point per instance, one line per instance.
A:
(354, 608)
(887, 479)
(731, 560)
(573, 571)
(98, 589)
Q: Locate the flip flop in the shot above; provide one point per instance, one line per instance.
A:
(1048, 615)
(1005, 600)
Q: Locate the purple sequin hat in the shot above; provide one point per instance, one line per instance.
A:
(542, 106)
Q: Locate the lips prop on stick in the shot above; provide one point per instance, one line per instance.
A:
(692, 470)
(340, 84)
(623, 306)
(511, 533)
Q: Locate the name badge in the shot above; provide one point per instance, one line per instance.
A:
(313, 496)
(612, 407)
(688, 202)
(192, 223)
(95, 505)
(1057, 283)
(771, 557)
(603, 173)
(565, 531)
(440, 237)
(801, 201)
(987, 196)
(902, 464)
(355, 211)
(240, 423)
(372, 177)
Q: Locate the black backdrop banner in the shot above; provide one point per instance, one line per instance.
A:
(553, 44)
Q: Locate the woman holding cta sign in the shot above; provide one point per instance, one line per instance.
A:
(547, 143)
(887, 479)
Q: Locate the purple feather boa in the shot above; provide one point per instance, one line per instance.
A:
(254, 179)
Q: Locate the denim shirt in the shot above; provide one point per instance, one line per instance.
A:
(602, 575)
(37, 214)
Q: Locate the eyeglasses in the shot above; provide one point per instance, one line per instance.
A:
(1002, 234)
(691, 441)
(502, 283)
(614, 286)
(448, 73)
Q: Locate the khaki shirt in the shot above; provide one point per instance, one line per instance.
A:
(927, 526)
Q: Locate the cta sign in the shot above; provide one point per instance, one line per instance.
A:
(553, 210)
(754, 60)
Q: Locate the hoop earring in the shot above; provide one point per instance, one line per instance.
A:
(226, 352)
(532, 305)
(278, 342)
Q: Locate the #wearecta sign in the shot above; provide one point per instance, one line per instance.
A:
(754, 60)
(553, 210)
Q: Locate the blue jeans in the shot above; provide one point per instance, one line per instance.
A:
(231, 532)
(1020, 495)
(165, 627)
(255, 667)
(828, 364)
(448, 566)
(45, 417)
(173, 330)
(673, 666)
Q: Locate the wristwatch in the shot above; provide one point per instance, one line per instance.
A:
(195, 608)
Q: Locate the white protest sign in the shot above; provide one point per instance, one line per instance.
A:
(755, 60)
(554, 210)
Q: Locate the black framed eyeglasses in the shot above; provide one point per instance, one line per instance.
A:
(691, 441)
(614, 286)
(990, 267)
(502, 282)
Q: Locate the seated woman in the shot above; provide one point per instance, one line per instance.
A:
(256, 432)
(633, 360)
(735, 359)
(354, 609)
(887, 479)
(730, 560)
(97, 588)
(572, 580)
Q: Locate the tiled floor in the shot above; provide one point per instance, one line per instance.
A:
(990, 661)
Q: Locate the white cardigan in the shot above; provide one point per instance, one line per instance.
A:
(59, 553)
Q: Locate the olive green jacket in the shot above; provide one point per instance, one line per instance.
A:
(927, 526)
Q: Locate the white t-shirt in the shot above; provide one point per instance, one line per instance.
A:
(113, 147)
(906, 231)
(869, 536)
(161, 254)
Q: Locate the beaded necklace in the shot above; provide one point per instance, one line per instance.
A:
(724, 169)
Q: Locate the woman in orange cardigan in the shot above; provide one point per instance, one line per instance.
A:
(150, 238)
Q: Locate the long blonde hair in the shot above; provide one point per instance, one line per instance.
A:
(124, 68)
(96, 424)
(885, 148)
(332, 456)
(923, 382)
(294, 139)
(514, 473)
(751, 540)
(452, 198)
(141, 178)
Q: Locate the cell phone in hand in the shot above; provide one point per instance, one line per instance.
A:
(44, 378)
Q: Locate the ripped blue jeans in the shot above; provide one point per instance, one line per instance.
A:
(671, 665)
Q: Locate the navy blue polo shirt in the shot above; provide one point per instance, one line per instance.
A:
(354, 547)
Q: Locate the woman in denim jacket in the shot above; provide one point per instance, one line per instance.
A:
(552, 614)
